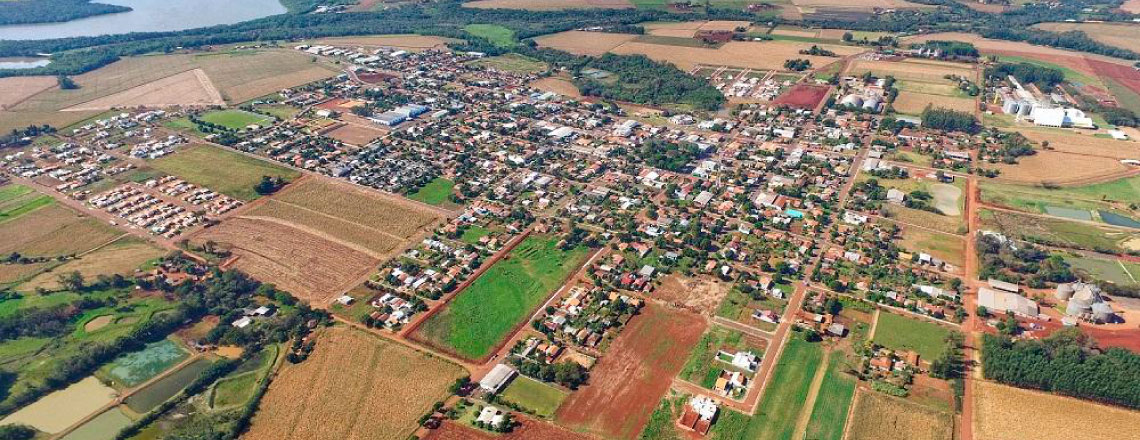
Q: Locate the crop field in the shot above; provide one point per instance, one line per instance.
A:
(584, 43)
(633, 374)
(11, 274)
(242, 75)
(311, 267)
(880, 416)
(58, 410)
(361, 206)
(227, 172)
(1060, 168)
(901, 333)
(137, 367)
(235, 119)
(189, 88)
(512, 62)
(829, 415)
(547, 5)
(163, 389)
(702, 366)
(784, 399)
(911, 103)
(435, 192)
(121, 257)
(354, 385)
(1008, 413)
(766, 55)
(802, 96)
(363, 238)
(53, 230)
(409, 42)
(533, 395)
(353, 134)
(1061, 233)
(1119, 35)
(122, 75)
(928, 71)
(501, 298)
(1073, 142)
(15, 89)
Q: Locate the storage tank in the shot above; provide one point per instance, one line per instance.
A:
(871, 104)
(1064, 291)
(1102, 312)
(1078, 306)
(852, 101)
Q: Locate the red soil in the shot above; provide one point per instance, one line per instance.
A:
(1127, 76)
(633, 375)
(802, 96)
(530, 429)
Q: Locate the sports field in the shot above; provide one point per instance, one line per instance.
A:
(485, 312)
(236, 119)
(541, 398)
(224, 171)
(901, 333)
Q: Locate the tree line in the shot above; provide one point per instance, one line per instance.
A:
(949, 120)
(50, 11)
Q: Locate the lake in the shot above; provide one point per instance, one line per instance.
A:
(23, 63)
(149, 16)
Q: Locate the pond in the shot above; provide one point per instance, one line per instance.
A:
(149, 16)
(154, 394)
(135, 368)
(1115, 219)
(56, 411)
(23, 63)
(103, 427)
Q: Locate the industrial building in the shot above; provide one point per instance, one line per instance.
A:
(497, 379)
(1085, 302)
(1007, 302)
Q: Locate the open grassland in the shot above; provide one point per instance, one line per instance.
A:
(224, 171)
(912, 70)
(767, 55)
(784, 399)
(498, 35)
(1113, 271)
(56, 411)
(501, 298)
(437, 192)
(634, 374)
(1055, 167)
(240, 385)
(13, 274)
(1062, 233)
(309, 266)
(354, 385)
(543, 399)
(236, 119)
(15, 89)
(121, 257)
(512, 62)
(189, 88)
(53, 230)
(901, 333)
(366, 207)
(1007, 413)
(548, 5)
(1120, 35)
(584, 43)
(829, 415)
(946, 247)
(879, 416)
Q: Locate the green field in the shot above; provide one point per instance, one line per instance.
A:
(239, 386)
(137, 367)
(156, 393)
(484, 313)
(901, 333)
(9, 192)
(24, 204)
(783, 400)
(1036, 198)
(512, 62)
(227, 172)
(1115, 271)
(1056, 232)
(235, 119)
(498, 35)
(1070, 74)
(831, 404)
(702, 367)
(435, 192)
(533, 395)
(473, 233)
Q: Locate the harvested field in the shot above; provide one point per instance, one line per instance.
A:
(584, 43)
(406, 42)
(913, 103)
(1008, 413)
(224, 171)
(767, 55)
(1068, 58)
(395, 215)
(189, 88)
(355, 134)
(926, 71)
(121, 257)
(362, 238)
(353, 386)
(560, 86)
(862, 4)
(684, 29)
(1061, 168)
(311, 267)
(10, 120)
(802, 96)
(1132, 6)
(1120, 35)
(1077, 143)
(698, 295)
(116, 77)
(247, 74)
(878, 416)
(548, 5)
(530, 429)
(15, 89)
(633, 374)
(53, 230)
(1125, 75)
(11, 273)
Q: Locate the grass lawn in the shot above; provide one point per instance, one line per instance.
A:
(512, 62)
(901, 333)
(235, 119)
(473, 233)
(830, 412)
(536, 396)
(738, 306)
(498, 35)
(435, 192)
(783, 400)
(183, 124)
(702, 367)
(234, 390)
(229, 173)
(949, 248)
(484, 313)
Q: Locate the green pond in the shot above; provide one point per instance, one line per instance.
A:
(156, 393)
(103, 427)
(135, 368)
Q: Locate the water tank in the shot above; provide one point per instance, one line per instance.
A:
(1064, 291)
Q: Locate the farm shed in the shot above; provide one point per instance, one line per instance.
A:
(497, 379)
(1006, 302)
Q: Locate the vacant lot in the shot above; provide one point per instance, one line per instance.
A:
(548, 5)
(880, 416)
(224, 171)
(236, 119)
(784, 399)
(512, 63)
(354, 385)
(561, 86)
(634, 373)
(543, 399)
(946, 247)
(703, 367)
(363, 238)
(803, 96)
(700, 295)
(1008, 413)
(189, 88)
(15, 89)
(911, 103)
(53, 230)
(358, 205)
(501, 298)
(121, 257)
(584, 43)
(767, 55)
(437, 192)
(901, 333)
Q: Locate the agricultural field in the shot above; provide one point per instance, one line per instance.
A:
(189, 88)
(41, 227)
(1120, 35)
(1060, 168)
(541, 398)
(829, 414)
(200, 165)
(362, 206)
(543, 5)
(484, 313)
(236, 119)
(512, 63)
(1114, 271)
(878, 416)
(14, 90)
(704, 365)
(352, 374)
(1062, 233)
(784, 400)
(917, 70)
(363, 238)
(1007, 413)
(633, 374)
(122, 257)
(765, 55)
(911, 103)
(902, 333)
(584, 43)
(246, 74)
(409, 42)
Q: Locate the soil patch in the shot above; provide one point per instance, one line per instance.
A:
(98, 323)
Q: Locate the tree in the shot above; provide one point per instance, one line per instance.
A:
(848, 37)
(17, 432)
(72, 281)
(66, 83)
(269, 185)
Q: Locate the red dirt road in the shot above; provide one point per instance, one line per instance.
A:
(530, 429)
(631, 378)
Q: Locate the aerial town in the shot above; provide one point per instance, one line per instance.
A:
(570, 219)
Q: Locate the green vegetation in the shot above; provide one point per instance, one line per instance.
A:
(1057, 232)
(48, 11)
(137, 367)
(901, 333)
(829, 415)
(1111, 270)
(512, 62)
(235, 119)
(234, 390)
(541, 398)
(23, 206)
(730, 425)
(703, 367)
(437, 192)
(154, 394)
(949, 120)
(484, 313)
(473, 233)
(1043, 77)
(498, 35)
(200, 165)
(1069, 74)
(9, 192)
(784, 399)
(1086, 197)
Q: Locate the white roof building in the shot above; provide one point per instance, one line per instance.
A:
(1061, 117)
(1007, 302)
(497, 379)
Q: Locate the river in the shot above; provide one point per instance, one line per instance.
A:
(149, 16)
